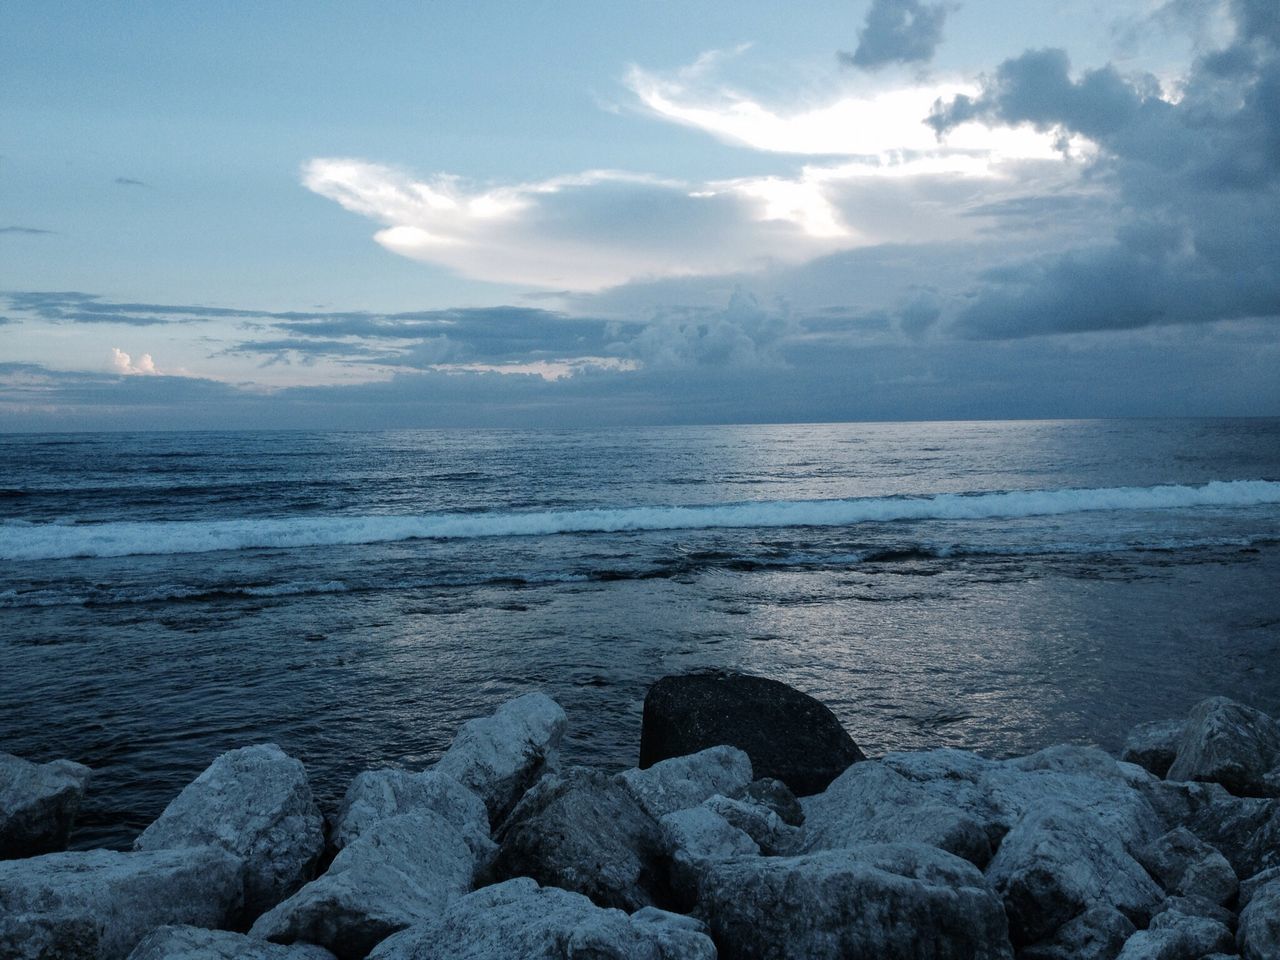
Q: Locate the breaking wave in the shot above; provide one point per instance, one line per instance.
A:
(48, 541)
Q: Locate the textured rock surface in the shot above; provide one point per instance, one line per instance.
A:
(1231, 744)
(1177, 936)
(502, 756)
(375, 795)
(872, 803)
(1097, 934)
(760, 823)
(38, 804)
(1186, 866)
(1058, 861)
(194, 943)
(1259, 931)
(585, 832)
(255, 803)
(788, 735)
(1245, 829)
(886, 901)
(100, 903)
(519, 919)
(401, 871)
(683, 782)
(1154, 745)
(775, 795)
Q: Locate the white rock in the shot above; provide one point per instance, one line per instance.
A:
(702, 833)
(194, 943)
(38, 804)
(683, 782)
(97, 904)
(378, 794)
(255, 803)
(518, 920)
(501, 756)
(400, 871)
(1231, 744)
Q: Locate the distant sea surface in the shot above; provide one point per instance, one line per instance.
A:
(354, 597)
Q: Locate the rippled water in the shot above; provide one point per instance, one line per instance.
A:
(354, 597)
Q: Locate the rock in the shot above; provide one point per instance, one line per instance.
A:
(519, 919)
(99, 903)
(775, 795)
(584, 831)
(1256, 882)
(1097, 934)
(193, 943)
(1196, 906)
(1228, 743)
(683, 782)
(1185, 865)
(38, 804)
(1058, 861)
(1259, 932)
(502, 756)
(256, 804)
(1153, 746)
(1245, 829)
(378, 794)
(759, 822)
(398, 872)
(1176, 936)
(788, 735)
(691, 839)
(886, 901)
(872, 803)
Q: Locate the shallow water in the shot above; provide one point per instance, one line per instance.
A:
(354, 597)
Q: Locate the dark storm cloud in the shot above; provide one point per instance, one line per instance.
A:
(25, 231)
(1199, 180)
(898, 31)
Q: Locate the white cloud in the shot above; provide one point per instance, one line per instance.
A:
(549, 370)
(122, 362)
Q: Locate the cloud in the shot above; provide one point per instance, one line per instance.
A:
(1196, 171)
(123, 363)
(25, 231)
(128, 182)
(898, 31)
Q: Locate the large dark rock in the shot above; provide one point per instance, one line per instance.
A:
(788, 735)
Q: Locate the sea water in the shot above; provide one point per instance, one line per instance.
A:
(355, 596)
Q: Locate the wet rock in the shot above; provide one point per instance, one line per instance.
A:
(502, 756)
(376, 795)
(1228, 743)
(398, 872)
(1154, 745)
(775, 795)
(872, 803)
(38, 804)
(256, 804)
(194, 943)
(1185, 865)
(683, 782)
(97, 904)
(788, 735)
(1259, 932)
(1097, 934)
(585, 832)
(1177, 936)
(519, 919)
(1058, 861)
(887, 901)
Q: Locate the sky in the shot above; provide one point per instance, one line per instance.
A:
(382, 215)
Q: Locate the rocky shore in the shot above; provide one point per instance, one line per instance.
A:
(755, 828)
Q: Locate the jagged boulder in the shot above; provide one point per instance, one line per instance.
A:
(255, 803)
(585, 832)
(1229, 743)
(1058, 861)
(1178, 936)
(1259, 932)
(683, 782)
(38, 804)
(775, 795)
(1186, 866)
(1097, 934)
(761, 823)
(1246, 830)
(376, 795)
(194, 943)
(888, 901)
(872, 803)
(400, 871)
(97, 904)
(1153, 746)
(519, 919)
(788, 735)
(692, 839)
(503, 755)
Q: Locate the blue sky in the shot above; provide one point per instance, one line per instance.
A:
(405, 214)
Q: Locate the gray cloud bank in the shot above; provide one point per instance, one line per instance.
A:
(898, 31)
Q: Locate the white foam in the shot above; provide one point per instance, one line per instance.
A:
(56, 540)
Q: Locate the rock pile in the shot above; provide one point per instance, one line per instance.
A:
(1171, 853)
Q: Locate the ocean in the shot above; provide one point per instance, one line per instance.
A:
(354, 597)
